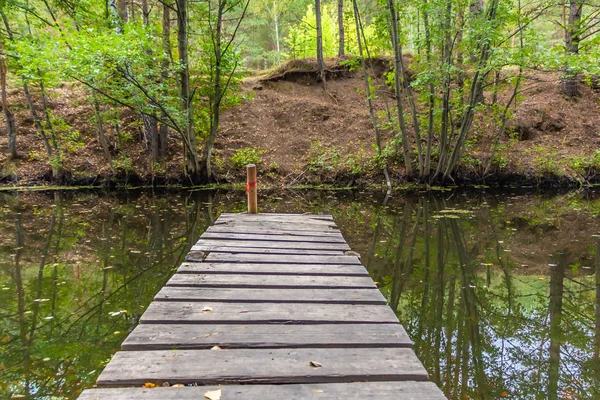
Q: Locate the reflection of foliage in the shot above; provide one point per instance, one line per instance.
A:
(482, 327)
(75, 277)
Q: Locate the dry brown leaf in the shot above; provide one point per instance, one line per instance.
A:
(206, 310)
(213, 395)
(165, 384)
(216, 348)
(315, 364)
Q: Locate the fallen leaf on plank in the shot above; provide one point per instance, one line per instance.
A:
(315, 364)
(213, 395)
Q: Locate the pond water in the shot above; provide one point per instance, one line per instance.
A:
(499, 292)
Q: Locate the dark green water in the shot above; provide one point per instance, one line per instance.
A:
(499, 292)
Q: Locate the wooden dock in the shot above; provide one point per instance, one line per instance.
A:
(268, 306)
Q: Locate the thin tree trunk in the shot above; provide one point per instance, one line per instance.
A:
(150, 122)
(320, 57)
(368, 93)
(555, 307)
(572, 38)
(277, 39)
(340, 12)
(398, 79)
(216, 104)
(597, 319)
(431, 95)
(100, 131)
(36, 119)
(164, 76)
(190, 148)
(474, 96)
(9, 117)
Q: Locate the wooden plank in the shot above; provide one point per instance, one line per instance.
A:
(269, 295)
(281, 259)
(268, 244)
(271, 269)
(279, 232)
(171, 312)
(329, 391)
(293, 218)
(185, 336)
(209, 367)
(271, 281)
(305, 215)
(277, 226)
(209, 234)
(251, 250)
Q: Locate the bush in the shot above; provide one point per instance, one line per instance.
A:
(245, 156)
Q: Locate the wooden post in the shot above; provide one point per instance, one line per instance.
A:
(251, 189)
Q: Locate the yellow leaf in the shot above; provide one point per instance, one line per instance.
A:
(149, 385)
(213, 395)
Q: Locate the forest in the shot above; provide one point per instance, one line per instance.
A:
(96, 92)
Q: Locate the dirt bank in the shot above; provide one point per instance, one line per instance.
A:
(307, 135)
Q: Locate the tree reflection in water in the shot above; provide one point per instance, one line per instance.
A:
(75, 276)
(485, 324)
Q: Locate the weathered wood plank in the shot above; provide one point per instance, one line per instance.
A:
(279, 232)
(301, 216)
(171, 312)
(272, 269)
(281, 259)
(185, 336)
(209, 367)
(293, 218)
(268, 244)
(269, 295)
(216, 235)
(325, 391)
(251, 250)
(271, 281)
(277, 226)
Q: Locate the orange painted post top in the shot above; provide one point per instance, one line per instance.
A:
(251, 189)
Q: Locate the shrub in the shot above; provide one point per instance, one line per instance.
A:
(245, 156)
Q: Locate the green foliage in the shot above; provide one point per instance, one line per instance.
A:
(248, 155)
(545, 161)
(123, 164)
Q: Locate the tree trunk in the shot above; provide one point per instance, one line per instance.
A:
(572, 39)
(369, 96)
(190, 146)
(398, 79)
(150, 122)
(555, 310)
(122, 5)
(100, 131)
(320, 58)
(277, 39)
(166, 58)
(9, 117)
(205, 164)
(341, 49)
